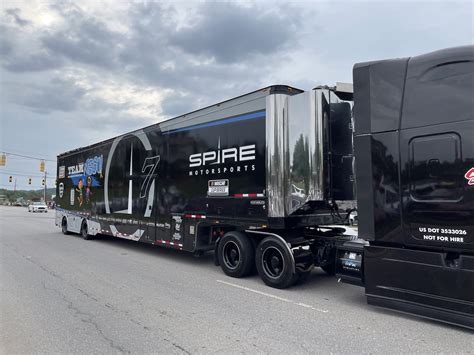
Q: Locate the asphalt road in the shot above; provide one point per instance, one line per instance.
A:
(63, 294)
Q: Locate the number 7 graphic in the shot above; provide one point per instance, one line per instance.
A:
(149, 167)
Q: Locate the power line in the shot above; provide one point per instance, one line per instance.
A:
(28, 156)
(17, 159)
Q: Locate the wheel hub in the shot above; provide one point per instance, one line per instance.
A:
(273, 262)
(231, 255)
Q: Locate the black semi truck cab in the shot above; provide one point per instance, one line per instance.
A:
(414, 149)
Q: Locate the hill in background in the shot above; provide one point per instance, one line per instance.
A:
(10, 196)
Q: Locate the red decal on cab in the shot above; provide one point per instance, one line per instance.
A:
(470, 176)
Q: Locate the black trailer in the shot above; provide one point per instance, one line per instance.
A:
(242, 177)
(266, 180)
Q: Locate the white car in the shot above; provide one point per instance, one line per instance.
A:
(37, 207)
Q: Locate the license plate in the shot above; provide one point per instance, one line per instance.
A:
(218, 187)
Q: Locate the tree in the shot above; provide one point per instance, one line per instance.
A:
(300, 168)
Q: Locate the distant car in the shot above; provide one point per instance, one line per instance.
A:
(37, 207)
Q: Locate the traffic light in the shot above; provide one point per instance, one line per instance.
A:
(42, 166)
(3, 159)
(42, 182)
(29, 181)
(10, 178)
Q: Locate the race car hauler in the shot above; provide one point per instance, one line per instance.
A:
(266, 180)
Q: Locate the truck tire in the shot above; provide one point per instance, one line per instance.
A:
(236, 254)
(64, 226)
(84, 231)
(275, 263)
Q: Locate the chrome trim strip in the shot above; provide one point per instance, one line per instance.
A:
(277, 107)
(317, 173)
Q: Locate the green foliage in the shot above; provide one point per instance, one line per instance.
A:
(27, 195)
(300, 163)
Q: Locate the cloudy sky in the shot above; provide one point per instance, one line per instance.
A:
(75, 72)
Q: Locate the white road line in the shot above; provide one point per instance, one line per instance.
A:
(304, 305)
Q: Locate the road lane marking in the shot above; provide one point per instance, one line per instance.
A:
(304, 305)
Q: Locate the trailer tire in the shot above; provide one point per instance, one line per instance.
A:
(275, 263)
(236, 254)
(84, 231)
(64, 226)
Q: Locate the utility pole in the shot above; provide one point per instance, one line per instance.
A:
(43, 170)
(44, 191)
(14, 185)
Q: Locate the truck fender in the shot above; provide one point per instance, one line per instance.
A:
(216, 258)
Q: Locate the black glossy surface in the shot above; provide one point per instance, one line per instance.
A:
(178, 187)
(378, 93)
(439, 88)
(378, 194)
(411, 180)
(341, 150)
(421, 282)
(415, 202)
(438, 206)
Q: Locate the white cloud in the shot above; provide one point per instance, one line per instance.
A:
(116, 65)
